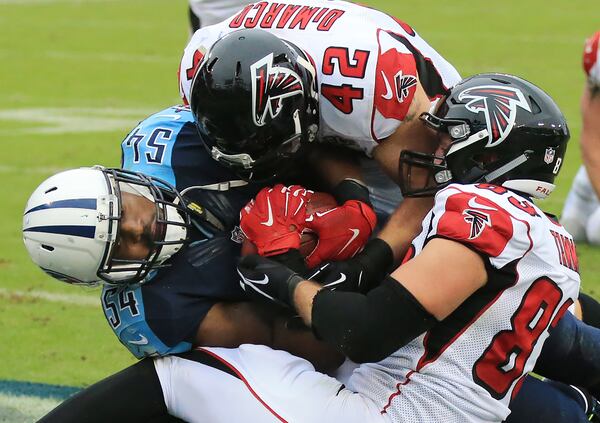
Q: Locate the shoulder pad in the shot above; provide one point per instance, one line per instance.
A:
(473, 220)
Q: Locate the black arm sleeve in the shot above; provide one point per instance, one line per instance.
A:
(351, 189)
(132, 395)
(368, 328)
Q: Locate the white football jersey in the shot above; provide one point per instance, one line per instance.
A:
(469, 366)
(591, 61)
(367, 63)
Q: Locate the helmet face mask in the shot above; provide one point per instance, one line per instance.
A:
(253, 97)
(72, 226)
(501, 129)
(264, 168)
(171, 226)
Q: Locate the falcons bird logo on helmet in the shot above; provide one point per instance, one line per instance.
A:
(270, 85)
(499, 105)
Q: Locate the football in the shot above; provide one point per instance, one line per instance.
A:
(319, 202)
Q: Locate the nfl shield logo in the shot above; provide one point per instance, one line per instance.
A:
(549, 156)
(237, 235)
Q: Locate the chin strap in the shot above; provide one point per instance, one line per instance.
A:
(220, 186)
(502, 170)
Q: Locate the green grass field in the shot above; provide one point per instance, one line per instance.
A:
(76, 75)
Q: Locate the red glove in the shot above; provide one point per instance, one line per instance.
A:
(342, 231)
(275, 219)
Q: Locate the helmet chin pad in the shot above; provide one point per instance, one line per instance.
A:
(174, 235)
(537, 189)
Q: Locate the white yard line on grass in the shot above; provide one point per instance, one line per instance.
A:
(42, 170)
(71, 299)
(71, 120)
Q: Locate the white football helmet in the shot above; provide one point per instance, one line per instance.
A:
(72, 220)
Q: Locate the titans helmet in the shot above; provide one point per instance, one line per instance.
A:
(72, 223)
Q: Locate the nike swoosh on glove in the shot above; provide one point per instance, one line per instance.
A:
(360, 273)
(264, 278)
(342, 231)
(275, 219)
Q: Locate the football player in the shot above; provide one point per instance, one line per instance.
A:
(581, 213)
(279, 76)
(322, 91)
(456, 328)
(490, 235)
(161, 235)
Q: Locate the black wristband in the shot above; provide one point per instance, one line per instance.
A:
(292, 284)
(351, 189)
(292, 259)
(377, 260)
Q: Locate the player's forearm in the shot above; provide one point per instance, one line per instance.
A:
(303, 300)
(334, 164)
(404, 224)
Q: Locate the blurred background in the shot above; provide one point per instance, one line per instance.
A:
(77, 75)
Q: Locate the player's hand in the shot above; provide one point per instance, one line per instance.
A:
(342, 231)
(274, 220)
(267, 279)
(360, 273)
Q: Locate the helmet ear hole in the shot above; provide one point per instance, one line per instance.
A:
(47, 247)
(50, 190)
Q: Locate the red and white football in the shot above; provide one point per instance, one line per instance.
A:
(319, 202)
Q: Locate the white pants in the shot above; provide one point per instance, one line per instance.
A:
(254, 383)
(581, 213)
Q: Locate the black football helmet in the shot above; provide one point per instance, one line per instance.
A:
(254, 99)
(503, 130)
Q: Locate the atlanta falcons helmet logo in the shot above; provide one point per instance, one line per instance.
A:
(499, 105)
(270, 85)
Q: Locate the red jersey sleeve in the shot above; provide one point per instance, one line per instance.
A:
(479, 223)
(590, 53)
